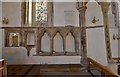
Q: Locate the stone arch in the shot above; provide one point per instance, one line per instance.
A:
(91, 14)
(58, 42)
(70, 42)
(45, 43)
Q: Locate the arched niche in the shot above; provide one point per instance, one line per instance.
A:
(45, 43)
(14, 39)
(58, 43)
(30, 39)
(70, 43)
(93, 12)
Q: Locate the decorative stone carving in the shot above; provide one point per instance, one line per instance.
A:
(105, 8)
(82, 24)
(39, 33)
(9, 33)
(63, 31)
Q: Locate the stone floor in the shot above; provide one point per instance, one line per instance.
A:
(47, 70)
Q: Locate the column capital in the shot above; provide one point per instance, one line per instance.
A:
(82, 9)
(104, 7)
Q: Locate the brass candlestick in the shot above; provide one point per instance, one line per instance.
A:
(94, 20)
(5, 20)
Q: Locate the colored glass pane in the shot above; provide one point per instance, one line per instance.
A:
(41, 11)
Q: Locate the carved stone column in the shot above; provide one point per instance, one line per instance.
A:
(51, 32)
(64, 45)
(38, 42)
(105, 8)
(76, 45)
(26, 11)
(51, 45)
(76, 33)
(50, 13)
(24, 38)
(82, 24)
(118, 69)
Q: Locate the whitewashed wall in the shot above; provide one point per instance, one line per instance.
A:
(12, 10)
(0, 30)
(113, 31)
(19, 56)
(93, 10)
(114, 42)
(62, 18)
(96, 47)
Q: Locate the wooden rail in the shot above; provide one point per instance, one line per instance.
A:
(116, 58)
(2, 68)
(103, 69)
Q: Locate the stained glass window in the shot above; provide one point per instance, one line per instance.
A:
(41, 11)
